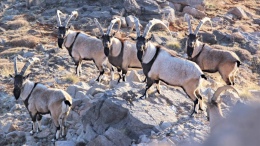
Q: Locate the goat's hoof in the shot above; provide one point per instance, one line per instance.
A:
(142, 97)
(53, 140)
(31, 132)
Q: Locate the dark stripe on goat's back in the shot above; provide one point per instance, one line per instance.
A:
(147, 66)
(238, 63)
(71, 46)
(26, 101)
(67, 102)
(117, 61)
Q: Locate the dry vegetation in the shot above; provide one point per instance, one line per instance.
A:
(16, 24)
(71, 78)
(24, 41)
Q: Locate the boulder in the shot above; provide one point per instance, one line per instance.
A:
(117, 137)
(133, 77)
(65, 143)
(208, 38)
(131, 6)
(194, 12)
(101, 141)
(238, 12)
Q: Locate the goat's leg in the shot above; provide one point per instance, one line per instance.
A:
(201, 104)
(148, 85)
(100, 75)
(191, 94)
(112, 72)
(119, 71)
(57, 125)
(158, 86)
(124, 72)
(39, 117)
(34, 128)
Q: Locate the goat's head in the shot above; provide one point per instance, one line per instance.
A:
(62, 29)
(19, 78)
(107, 37)
(193, 37)
(142, 40)
(214, 103)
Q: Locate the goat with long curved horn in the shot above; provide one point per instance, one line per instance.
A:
(137, 28)
(73, 14)
(153, 60)
(187, 18)
(28, 63)
(58, 18)
(220, 90)
(114, 49)
(15, 67)
(151, 24)
(205, 19)
(214, 111)
(99, 26)
(208, 58)
(116, 20)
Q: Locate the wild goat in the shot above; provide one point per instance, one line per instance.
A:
(121, 53)
(40, 100)
(81, 46)
(209, 59)
(159, 65)
(214, 111)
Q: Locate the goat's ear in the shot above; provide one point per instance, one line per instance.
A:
(149, 38)
(56, 27)
(26, 77)
(11, 76)
(99, 37)
(186, 34)
(67, 28)
(113, 34)
(132, 38)
(199, 37)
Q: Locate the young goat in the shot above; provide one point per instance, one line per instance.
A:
(81, 46)
(209, 59)
(159, 65)
(40, 100)
(214, 111)
(121, 53)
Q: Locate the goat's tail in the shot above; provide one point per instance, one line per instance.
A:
(238, 63)
(204, 77)
(66, 106)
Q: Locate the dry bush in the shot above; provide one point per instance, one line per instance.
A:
(174, 45)
(25, 41)
(16, 24)
(71, 78)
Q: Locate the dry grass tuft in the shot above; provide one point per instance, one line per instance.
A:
(174, 45)
(25, 41)
(16, 24)
(71, 78)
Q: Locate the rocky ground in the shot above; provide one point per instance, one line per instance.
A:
(108, 113)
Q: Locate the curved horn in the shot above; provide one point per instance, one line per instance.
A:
(137, 29)
(118, 20)
(28, 63)
(201, 23)
(221, 89)
(151, 24)
(187, 18)
(15, 67)
(98, 25)
(58, 18)
(73, 13)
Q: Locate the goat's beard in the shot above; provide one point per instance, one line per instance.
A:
(60, 42)
(139, 55)
(189, 51)
(106, 51)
